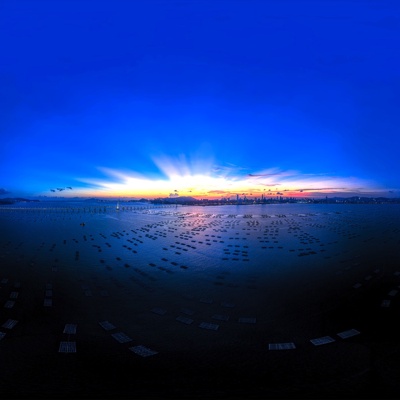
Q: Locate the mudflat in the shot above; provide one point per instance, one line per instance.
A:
(191, 303)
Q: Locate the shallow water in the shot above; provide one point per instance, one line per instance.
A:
(260, 274)
(257, 257)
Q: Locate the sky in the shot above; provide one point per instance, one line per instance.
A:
(201, 98)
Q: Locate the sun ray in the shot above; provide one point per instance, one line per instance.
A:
(197, 178)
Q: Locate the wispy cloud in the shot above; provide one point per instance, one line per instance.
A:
(198, 177)
(219, 192)
(258, 175)
(318, 189)
(228, 171)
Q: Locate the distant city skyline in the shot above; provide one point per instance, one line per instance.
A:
(207, 99)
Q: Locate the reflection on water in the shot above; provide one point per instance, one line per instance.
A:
(262, 272)
(254, 255)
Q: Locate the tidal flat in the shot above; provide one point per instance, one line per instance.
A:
(255, 301)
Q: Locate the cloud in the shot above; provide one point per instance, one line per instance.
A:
(4, 191)
(219, 192)
(257, 175)
(317, 189)
(184, 174)
(228, 170)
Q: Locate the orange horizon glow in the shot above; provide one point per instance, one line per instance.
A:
(214, 189)
(226, 196)
(200, 178)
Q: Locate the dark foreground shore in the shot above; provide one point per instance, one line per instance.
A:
(198, 364)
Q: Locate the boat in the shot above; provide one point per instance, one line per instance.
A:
(117, 208)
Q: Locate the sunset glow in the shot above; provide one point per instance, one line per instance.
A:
(179, 180)
(205, 99)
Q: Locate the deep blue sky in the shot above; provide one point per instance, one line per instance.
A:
(102, 93)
